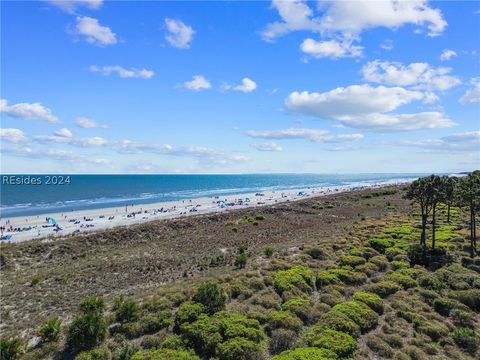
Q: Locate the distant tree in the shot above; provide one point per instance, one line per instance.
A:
(449, 186)
(436, 195)
(418, 192)
(469, 196)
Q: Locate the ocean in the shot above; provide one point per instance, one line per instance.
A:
(80, 192)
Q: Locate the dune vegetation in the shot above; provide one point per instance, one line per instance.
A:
(404, 286)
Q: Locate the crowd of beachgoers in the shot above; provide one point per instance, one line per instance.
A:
(47, 226)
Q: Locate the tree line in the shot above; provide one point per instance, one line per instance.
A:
(430, 191)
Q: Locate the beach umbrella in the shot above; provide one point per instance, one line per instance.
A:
(52, 220)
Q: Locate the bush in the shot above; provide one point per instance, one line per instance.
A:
(339, 342)
(11, 349)
(164, 354)
(268, 252)
(338, 321)
(326, 277)
(283, 320)
(434, 330)
(430, 282)
(360, 313)
(301, 307)
(381, 261)
(467, 339)
(211, 296)
(93, 304)
(351, 260)
(348, 276)
(95, 354)
(316, 253)
(239, 349)
(173, 342)
(400, 265)
(379, 346)
(404, 280)
(309, 353)
(50, 330)
(241, 261)
(380, 244)
(431, 258)
(86, 331)
(461, 318)
(373, 301)
(443, 305)
(188, 313)
(384, 288)
(299, 277)
(281, 340)
(127, 311)
(471, 298)
(153, 341)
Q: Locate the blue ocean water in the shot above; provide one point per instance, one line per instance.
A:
(99, 191)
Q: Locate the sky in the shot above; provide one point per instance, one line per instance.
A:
(240, 87)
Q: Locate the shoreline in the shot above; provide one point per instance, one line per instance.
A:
(37, 227)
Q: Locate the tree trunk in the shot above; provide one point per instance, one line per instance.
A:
(472, 226)
(474, 233)
(448, 213)
(424, 225)
(433, 227)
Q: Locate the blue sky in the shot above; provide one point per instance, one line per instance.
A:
(239, 87)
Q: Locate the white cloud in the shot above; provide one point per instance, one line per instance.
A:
(447, 55)
(472, 95)
(12, 135)
(28, 111)
(179, 34)
(122, 72)
(330, 49)
(367, 107)
(355, 100)
(94, 32)
(465, 141)
(64, 132)
(314, 135)
(197, 83)
(87, 123)
(247, 85)
(269, 146)
(71, 6)
(387, 45)
(418, 75)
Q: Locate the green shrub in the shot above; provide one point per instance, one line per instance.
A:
(283, 320)
(400, 278)
(374, 301)
(281, 340)
(309, 353)
(363, 251)
(360, 313)
(317, 206)
(259, 217)
(127, 311)
(339, 342)
(400, 265)
(173, 342)
(380, 244)
(268, 252)
(467, 339)
(92, 304)
(379, 346)
(239, 349)
(381, 261)
(241, 261)
(86, 331)
(369, 269)
(430, 282)
(337, 321)
(153, 341)
(326, 277)
(434, 330)
(444, 305)
(211, 296)
(351, 260)
(301, 307)
(470, 298)
(384, 288)
(11, 349)
(95, 354)
(392, 252)
(299, 277)
(461, 318)
(165, 354)
(348, 276)
(189, 312)
(50, 330)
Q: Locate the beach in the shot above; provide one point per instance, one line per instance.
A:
(58, 224)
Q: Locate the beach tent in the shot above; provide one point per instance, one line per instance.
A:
(52, 220)
(7, 237)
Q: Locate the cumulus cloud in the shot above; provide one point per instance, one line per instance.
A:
(313, 135)
(28, 111)
(472, 95)
(330, 49)
(269, 146)
(197, 83)
(247, 85)
(447, 55)
(71, 6)
(179, 34)
(465, 141)
(122, 72)
(367, 107)
(87, 123)
(387, 44)
(417, 75)
(94, 32)
(65, 136)
(12, 135)
(64, 132)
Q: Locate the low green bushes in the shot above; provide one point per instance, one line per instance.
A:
(309, 353)
(284, 320)
(470, 298)
(11, 349)
(50, 330)
(337, 321)
(380, 244)
(164, 354)
(444, 305)
(379, 346)
(467, 339)
(381, 261)
(127, 311)
(384, 288)
(373, 301)
(326, 277)
(351, 260)
(433, 329)
(239, 348)
(342, 344)
(188, 313)
(360, 313)
(95, 354)
(299, 277)
(301, 307)
(211, 296)
(402, 279)
(281, 340)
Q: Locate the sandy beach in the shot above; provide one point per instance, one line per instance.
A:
(24, 228)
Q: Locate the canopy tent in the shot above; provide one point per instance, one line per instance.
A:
(52, 220)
